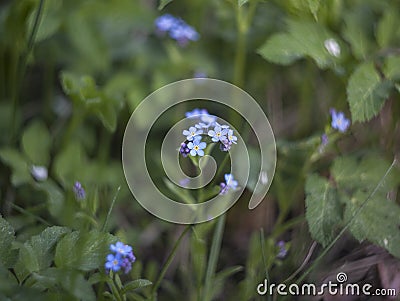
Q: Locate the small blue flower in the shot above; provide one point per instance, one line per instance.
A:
(192, 132)
(80, 193)
(230, 183)
(196, 147)
(225, 145)
(200, 74)
(282, 251)
(120, 248)
(165, 22)
(218, 134)
(113, 262)
(127, 261)
(208, 119)
(339, 121)
(231, 137)
(223, 126)
(183, 33)
(196, 113)
(184, 150)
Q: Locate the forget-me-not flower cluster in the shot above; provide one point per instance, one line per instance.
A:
(211, 131)
(208, 127)
(177, 29)
(121, 258)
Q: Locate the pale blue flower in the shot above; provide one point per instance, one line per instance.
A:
(218, 134)
(183, 33)
(230, 183)
(196, 113)
(165, 22)
(339, 121)
(192, 132)
(231, 137)
(196, 147)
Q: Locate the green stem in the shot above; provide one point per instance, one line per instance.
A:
(214, 254)
(103, 229)
(168, 262)
(27, 213)
(115, 291)
(20, 67)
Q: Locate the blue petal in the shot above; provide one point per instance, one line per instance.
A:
(193, 152)
(202, 145)
(200, 152)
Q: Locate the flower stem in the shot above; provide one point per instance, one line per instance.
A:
(213, 259)
(168, 262)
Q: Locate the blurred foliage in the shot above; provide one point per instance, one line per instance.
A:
(71, 72)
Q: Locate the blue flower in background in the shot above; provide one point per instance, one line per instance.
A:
(183, 33)
(113, 263)
(165, 22)
(282, 252)
(192, 132)
(196, 113)
(218, 134)
(230, 183)
(196, 147)
(120, 248)
(178, 29)
(339, 121)
(80, 193)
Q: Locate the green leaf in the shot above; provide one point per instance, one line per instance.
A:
(163, 3)
(366, 92)
(68, 164)
(351, 173)
(392, 67)
(83, 250)
(302, 39)
(72, 283)
(7, 236)
(198, 249)
(358, 32)
(18, 165)
(50, 20)
(388, 30)
(36, 143)
(281, 49)
(378, 221)
(323, 209)
(314, 7)
(136, 284)
(105, 111)
(55, 197)
(37, 253)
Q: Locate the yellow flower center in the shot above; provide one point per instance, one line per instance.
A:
(196, 148)
(115, 262)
